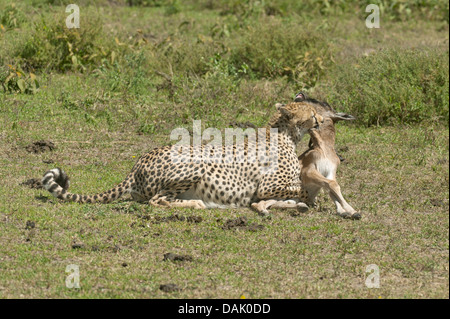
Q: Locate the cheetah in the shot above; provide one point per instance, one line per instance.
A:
(160, 179)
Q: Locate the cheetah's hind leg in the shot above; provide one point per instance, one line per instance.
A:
(262, 207)
(164, 201)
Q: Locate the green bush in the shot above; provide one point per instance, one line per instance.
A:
(182, 55)
(392, 9)
(394, 86)
(14, 80)
(11, 17)
(273, 48)
(52, 46)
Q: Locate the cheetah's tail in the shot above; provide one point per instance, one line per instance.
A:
(57, 182)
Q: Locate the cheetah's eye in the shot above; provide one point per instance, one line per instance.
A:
(316, 122)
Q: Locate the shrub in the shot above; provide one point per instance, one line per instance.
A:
(394, 86)
(273, 48)
(52, 46)
(14, 80)
(392, 9)
(11, 16)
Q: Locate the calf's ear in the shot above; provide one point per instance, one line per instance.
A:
(342, 117)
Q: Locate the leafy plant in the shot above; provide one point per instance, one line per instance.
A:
(15, 80)
(11, 17)
(272, 48)
(52, 46)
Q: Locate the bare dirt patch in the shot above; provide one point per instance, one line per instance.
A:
(177, 217)
(32, 183)
(30, 225)
(40, 147)
(176, 257)
(241, 222)
(169, 288)
(77, 245)
(242, 125)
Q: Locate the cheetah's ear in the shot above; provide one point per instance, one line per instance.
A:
(283, 110)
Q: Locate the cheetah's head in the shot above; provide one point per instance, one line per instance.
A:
(296, 118)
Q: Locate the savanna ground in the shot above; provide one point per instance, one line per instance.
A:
(115, 88)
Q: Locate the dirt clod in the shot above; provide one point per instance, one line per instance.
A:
(169, 288)
(342, 149)
(242, 124)
(40, 147)
(241, 222)
(33, 183)
(233, 223)
(437, 203)
(255, 227)
(30, 225)
(175, 257)
(77, 245)
(177, 217)
(117, 248)
(194, 219)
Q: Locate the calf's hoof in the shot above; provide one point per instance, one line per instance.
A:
(354, 216)
(302, 207)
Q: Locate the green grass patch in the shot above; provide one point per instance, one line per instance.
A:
(109, 92)
(395, 86)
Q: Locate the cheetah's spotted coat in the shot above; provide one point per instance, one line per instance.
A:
(156, 179)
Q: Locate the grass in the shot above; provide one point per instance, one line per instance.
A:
(414, 84)
(402, 172)
(132, 81)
